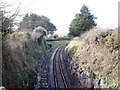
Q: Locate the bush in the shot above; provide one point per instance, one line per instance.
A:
(28, 35)
(109, 39)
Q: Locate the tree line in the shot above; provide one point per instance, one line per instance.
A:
(29, 21)
(82, 22)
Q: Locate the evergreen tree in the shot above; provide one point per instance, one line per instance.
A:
(83, 21)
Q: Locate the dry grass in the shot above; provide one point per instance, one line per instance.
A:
(21, 57)
(98, 57)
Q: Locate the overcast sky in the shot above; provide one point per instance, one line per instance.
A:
(61, 12)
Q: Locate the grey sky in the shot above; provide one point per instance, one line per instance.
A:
(61, 12)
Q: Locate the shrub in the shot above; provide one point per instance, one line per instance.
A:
(109, 39)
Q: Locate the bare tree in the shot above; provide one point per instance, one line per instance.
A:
(7, 21)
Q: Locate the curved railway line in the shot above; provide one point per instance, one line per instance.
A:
(60, 79)
(59, 75)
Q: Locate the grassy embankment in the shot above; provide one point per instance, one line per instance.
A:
(21, 59)
(100, 57)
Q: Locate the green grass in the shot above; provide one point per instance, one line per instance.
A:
(56, 44)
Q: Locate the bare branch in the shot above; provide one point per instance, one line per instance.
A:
(12, 17)
(3, 5)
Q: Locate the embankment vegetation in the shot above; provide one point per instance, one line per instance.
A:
(21, 59)
(97, 51)
(22, 48)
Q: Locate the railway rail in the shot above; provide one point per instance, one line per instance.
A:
(60, 79)
(59, 74)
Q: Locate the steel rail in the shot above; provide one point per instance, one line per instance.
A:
(58, 57)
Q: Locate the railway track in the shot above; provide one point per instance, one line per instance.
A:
(60, 79)
(59, 74)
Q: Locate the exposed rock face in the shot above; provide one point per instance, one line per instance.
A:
(87, 80)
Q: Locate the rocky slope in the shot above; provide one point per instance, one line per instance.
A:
(97, 51)
(21, 55)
